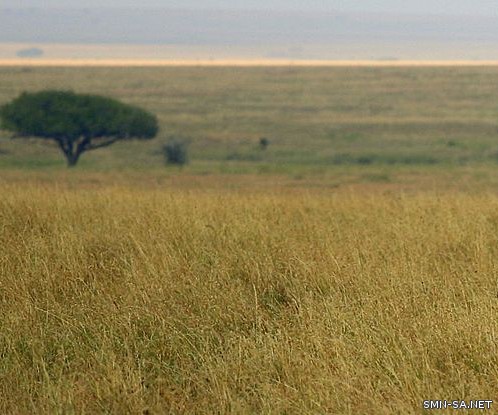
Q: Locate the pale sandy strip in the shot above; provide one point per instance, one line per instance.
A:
(239, 62)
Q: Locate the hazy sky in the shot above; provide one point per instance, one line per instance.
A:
(455, 7)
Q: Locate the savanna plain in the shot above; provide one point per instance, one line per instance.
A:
(348, 268)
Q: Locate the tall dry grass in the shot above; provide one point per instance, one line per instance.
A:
(147, 301)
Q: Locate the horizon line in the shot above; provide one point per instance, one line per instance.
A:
(243, 63)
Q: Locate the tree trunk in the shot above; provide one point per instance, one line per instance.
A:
(71, 151)
(72, 159)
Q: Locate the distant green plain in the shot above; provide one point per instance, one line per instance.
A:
(381, 125)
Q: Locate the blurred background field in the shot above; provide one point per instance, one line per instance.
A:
(331, 125)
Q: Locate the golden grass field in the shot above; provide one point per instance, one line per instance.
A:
(133, 299)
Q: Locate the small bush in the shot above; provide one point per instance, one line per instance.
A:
(176, 151)
(264, 143)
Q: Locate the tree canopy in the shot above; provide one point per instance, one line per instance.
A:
(77, 122)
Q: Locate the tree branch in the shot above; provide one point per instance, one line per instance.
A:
(101, 145)
(82, 146)
(64, 147)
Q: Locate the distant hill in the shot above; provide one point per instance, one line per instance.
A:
(30, 53)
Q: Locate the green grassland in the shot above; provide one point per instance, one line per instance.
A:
(363, 124)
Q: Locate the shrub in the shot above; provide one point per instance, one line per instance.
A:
(176, 151)
(264, 143)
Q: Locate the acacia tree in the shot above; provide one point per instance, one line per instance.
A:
(76, 122)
